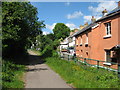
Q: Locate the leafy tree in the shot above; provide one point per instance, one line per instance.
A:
(20, 26)
(61, 31)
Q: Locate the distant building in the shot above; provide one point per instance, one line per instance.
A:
(68, 41)
(64, 44)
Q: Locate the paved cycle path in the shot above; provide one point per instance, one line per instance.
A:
(39, 75)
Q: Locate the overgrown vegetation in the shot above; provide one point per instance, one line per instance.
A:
(81, 76)
(12, 75)
(20, 26)
(50, 42)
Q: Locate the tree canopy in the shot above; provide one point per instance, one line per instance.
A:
(19, 25)
(61, 31)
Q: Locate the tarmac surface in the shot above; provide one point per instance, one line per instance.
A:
(39, 75)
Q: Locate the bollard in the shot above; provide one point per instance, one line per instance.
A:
(85, 60)
(119, 71)
(98, 64)
(68, 57)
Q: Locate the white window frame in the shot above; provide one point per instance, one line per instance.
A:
(86, 39)
(77, 42)
(81, 41)
(106, 62)
(108, 30)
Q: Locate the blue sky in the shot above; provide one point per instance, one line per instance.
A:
(73, 14)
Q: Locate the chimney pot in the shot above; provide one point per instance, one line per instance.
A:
(119, 4)
(93, 19)
(104, 12)
(86, 24)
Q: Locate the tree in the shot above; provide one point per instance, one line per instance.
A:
(61, 31)
(19, 25)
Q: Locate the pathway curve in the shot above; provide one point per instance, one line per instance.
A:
(39, 75)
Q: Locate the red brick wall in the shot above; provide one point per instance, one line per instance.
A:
(96, 42)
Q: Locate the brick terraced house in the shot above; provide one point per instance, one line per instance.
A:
(100, 40)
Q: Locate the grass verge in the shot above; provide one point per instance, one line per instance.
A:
(81, 76)
(35, 51)
(12, 75)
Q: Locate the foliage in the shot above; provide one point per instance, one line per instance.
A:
(45, 41)
(54, 53)
(19, 25)
(82, 76)
(61, 31)
(12, 74)
(50, 42)
(47, 52)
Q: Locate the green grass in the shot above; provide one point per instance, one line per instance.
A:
(35, 51)
(12, 75)
(81, 76)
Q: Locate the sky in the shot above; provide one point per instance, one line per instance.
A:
(72, 14)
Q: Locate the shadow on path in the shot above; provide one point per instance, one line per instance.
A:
(34, 60)
(39, 75)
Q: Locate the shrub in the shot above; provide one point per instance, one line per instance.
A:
(54, 53)
(9, 75)
(47, 52)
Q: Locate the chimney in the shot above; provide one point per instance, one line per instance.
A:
(75, 30)
(119, 4)
(104, 12)
(93, 19)
(81, 27)
(71, 33)
(86, 24)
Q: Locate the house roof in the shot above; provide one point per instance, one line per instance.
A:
(84, 29)
(112, 13)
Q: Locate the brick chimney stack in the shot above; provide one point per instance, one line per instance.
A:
(75, 30)
(93, 19)
(104, 12)
(86, 24)
(81, 27)
(118, 3)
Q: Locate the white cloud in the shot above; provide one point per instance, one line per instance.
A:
(71, 25)
(45, 33)
(88, 18)
(101, 6)
(67, 3)
(50, 27)
(75, 14)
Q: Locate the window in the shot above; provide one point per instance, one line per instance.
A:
(108, 56)
(77, 41)
(108, 28)
(111, 56)
(86, 44)
(81, 41)
(87, 38)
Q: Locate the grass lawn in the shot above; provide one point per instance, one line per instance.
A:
(81, 76)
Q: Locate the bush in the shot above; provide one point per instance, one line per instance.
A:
(54, 53)
(10, 75)
(47, 52)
